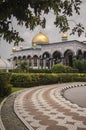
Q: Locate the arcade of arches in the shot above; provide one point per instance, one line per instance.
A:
(47, 60)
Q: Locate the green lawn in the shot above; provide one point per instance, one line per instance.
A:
(13, 90)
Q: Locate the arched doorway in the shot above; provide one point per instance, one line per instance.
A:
(46, 60)
(68, 58)
(19, 60)
(24, 58)
(29, 60)
(56, 57)
(79, 54)
(14, 61)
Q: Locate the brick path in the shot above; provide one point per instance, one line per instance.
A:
(43, 108)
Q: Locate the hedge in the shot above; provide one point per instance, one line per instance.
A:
(5, 87)
(29, 80)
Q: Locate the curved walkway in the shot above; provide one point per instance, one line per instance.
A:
(8, 116)
(43, 108)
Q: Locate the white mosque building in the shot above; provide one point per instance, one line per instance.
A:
(44, 54)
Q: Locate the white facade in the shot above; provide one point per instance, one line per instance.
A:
(46, 55)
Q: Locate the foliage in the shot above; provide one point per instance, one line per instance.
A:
(14, 89)
(31, 70)
(78, 28)
(32, 13)
(80, 64)
(23, 67)
(5, 87)
(60, 68)
(20, 80)
(28, 80)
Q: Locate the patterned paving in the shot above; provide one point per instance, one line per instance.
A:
(43, 108)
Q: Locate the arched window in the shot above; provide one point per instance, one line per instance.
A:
(35, 58)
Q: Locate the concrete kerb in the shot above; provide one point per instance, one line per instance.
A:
(69, 87)
(1, 123)
(1, 104)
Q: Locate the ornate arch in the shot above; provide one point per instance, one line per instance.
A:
(24, 57)
(46, 55)
(56, 56)
(79, 54)
(29, 60)
(15, 58)
(68, 57)
(35, 59)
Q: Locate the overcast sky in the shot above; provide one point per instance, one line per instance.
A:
(51, 31)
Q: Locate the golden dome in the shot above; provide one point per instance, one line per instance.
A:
(13, 49)
(21, 47)
(40, 38)
(64, 36)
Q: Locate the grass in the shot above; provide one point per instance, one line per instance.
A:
(14, 89)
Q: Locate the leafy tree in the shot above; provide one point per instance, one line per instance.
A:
(23, 67)
(29, 12)
(79, 64)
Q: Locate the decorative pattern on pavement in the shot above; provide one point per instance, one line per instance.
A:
(44, 108)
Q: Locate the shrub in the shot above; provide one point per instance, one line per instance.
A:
(5, 88)
(28, 80)
(69, 69)
(59, 68)
(80, 64)
(31, 70)
(20, 80)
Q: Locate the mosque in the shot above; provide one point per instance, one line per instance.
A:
(44, 54)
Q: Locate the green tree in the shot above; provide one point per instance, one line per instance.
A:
(79, 64)
(29, 12)
(23, 67)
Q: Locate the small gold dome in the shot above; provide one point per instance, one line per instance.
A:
(40, 38)
(64, 36)
(21, 47)
(13, 49)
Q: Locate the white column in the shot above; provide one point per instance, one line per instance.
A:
(62, 60)
(50, 63)
(53, 61)
(44, 63)
(32, 62)
(38, 63)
